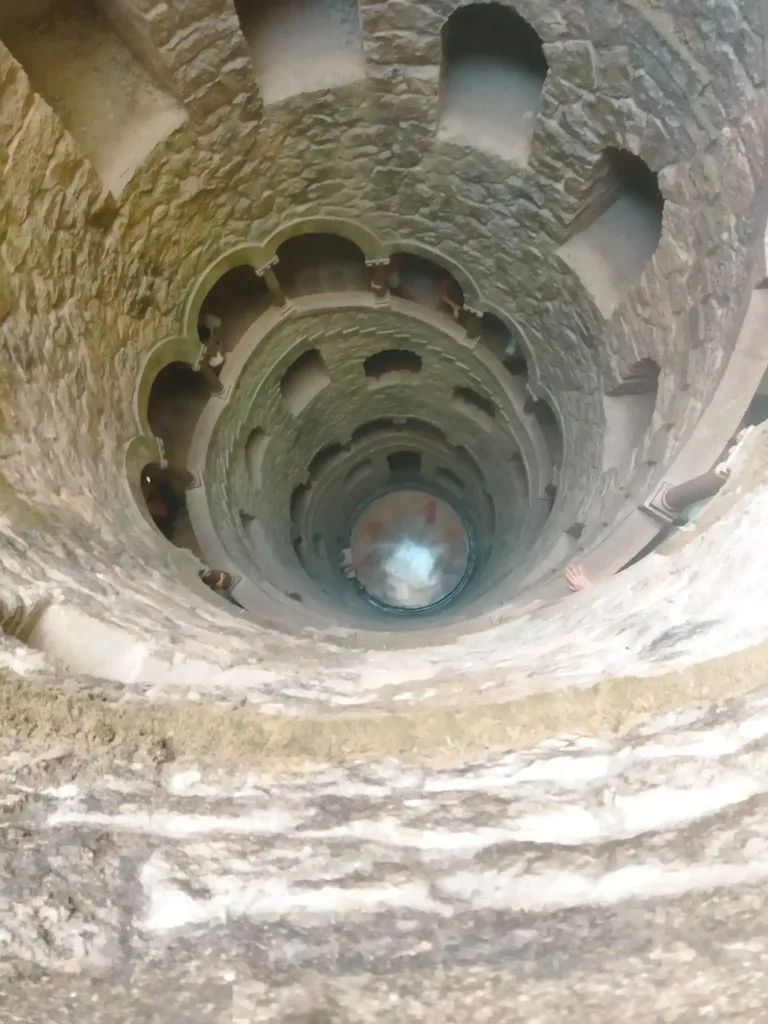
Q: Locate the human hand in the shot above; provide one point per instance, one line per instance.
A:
(576, 578)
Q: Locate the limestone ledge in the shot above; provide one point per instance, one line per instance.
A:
(665, 614)
(303, 887)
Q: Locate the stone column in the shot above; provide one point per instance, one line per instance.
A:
(207, 373)
(378, 272)
(472, 321)
(274, 286)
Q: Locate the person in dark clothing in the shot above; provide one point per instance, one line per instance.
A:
(220, 582)
(164, 503)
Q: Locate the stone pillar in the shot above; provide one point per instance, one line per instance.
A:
(274, 286)
(473, 323)
(378, 272)
(211, 357)
(207, 373)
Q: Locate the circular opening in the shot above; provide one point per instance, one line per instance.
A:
(409, 550)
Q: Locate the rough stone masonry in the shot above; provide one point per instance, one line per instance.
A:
(548, 807)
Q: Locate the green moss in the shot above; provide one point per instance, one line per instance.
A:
(36, 717)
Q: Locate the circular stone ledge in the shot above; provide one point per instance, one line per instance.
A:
(663, 615)
(630, 532)
(535, 456)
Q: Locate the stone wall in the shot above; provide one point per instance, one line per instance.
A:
(441, 848)
(345, 340)
(92, 285)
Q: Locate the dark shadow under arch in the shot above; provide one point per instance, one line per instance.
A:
(425, 282)
(304, 379)
(176, 399)
(316, 263)
(164, 493)
(234, 302)
(392, 360)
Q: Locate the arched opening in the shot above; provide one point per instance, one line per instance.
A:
(499, 340)
(468, 463)
(322, 459)
(404, 463)
(642, 378)
(299, 498)
(304, 380)
(493, 71)
(545, 416)
(449, 478)
(176, 399)
(358, 473)
(617, 228)
(255, 450)
(315, 263)
(300, 549)
(370, 429)
(495, 336)
(420, 280)
(392, 360)
(86, 63)
(629, 409)
(238, 298)
(516, 364)
(425, 431)
(164, 493)
(476, 406)
(300, 46)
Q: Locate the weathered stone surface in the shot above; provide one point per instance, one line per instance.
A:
(597, 878)
(630, 870)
